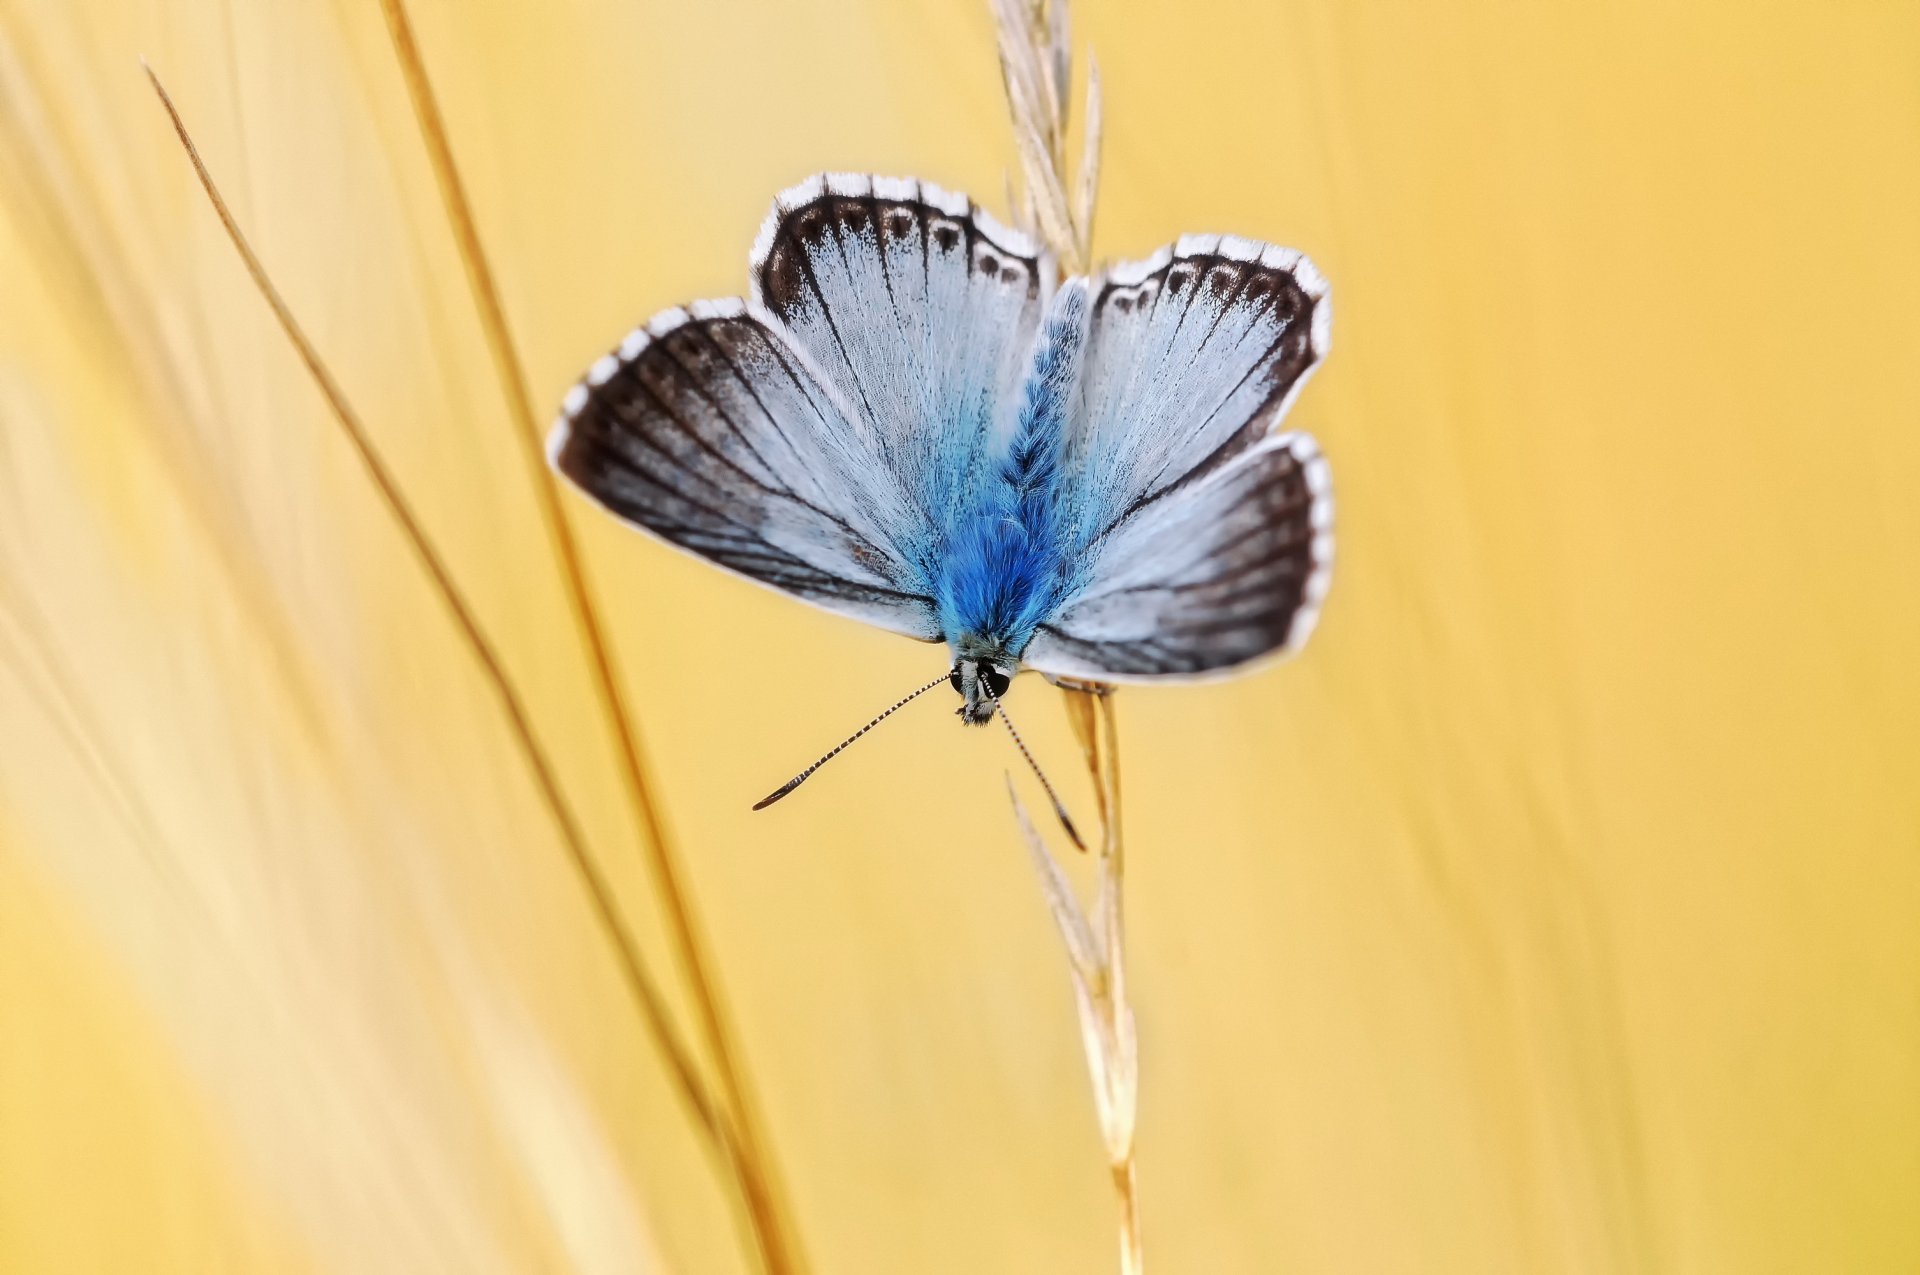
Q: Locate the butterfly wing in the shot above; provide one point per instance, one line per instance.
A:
(918, 309)
(708, 430)
(1228, 570)
(810, 438)
(1203, 539)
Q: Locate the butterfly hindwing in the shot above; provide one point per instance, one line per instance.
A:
(1229, 569)
(708, 430)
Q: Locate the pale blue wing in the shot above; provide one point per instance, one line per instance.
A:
(816, 437)
(1227, 570)
(918, 308)
(1199, 541)
(707, 429)
(1193, 356)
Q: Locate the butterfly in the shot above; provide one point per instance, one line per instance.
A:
(910, 420)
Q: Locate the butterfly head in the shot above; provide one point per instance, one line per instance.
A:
(981, 683)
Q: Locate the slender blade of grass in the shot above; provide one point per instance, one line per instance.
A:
(756, 1172)
(640, 983)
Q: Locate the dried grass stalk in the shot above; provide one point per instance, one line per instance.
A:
(1097, 961)
(755, 1174)
(1036, 67)
(690, 1085)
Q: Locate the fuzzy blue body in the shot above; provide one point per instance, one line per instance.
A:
(1003, 564)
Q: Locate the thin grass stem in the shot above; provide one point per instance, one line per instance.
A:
(1036, 69)
(60, 204)
(756, 1173)
(1106, 1012)
(640, 983)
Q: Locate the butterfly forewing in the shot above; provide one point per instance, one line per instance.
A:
(917, 307)
(706, 429)
(1193, 356)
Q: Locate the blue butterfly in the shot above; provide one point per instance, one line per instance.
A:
(909, 422)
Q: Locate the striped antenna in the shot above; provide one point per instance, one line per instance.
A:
(801, 778)
(1059, 808)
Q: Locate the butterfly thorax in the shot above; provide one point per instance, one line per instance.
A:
(999, 576)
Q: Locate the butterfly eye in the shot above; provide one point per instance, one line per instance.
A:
(997, 682)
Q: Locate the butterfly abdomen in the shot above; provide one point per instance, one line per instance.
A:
(1004, 565)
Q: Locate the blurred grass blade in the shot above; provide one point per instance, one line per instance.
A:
(1083, 950)
(755, 1172)
(1088, 187)
(640, 983)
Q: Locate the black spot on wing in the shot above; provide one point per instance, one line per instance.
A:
(806, 230)
(852, 215)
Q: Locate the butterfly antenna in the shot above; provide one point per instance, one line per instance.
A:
(802, 777)
(1059, 807)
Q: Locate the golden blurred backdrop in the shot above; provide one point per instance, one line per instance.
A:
(1556, 911)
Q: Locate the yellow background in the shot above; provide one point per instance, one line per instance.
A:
(1556, 911)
